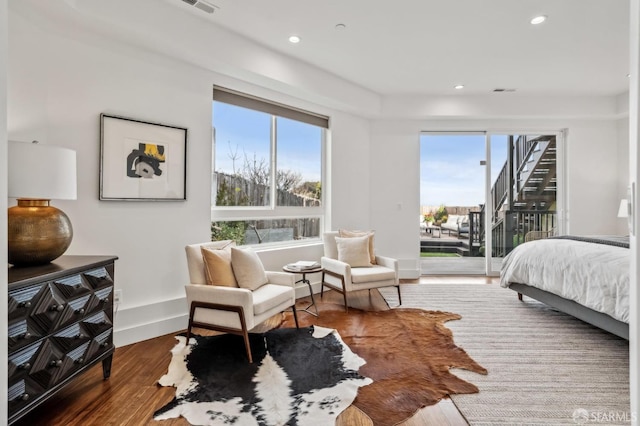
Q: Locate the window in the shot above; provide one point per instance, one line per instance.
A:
(267, 170)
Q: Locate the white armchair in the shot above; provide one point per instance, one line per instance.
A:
(344, 278)
(233, 309)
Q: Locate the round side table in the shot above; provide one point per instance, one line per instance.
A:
(304, 280)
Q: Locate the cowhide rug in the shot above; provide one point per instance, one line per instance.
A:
(408, 354)
(299, 377)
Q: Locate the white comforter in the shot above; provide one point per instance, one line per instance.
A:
(593, 275)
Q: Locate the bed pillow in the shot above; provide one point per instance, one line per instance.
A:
(371, 234)
(248, 268)
(354, 251)
(217, 266)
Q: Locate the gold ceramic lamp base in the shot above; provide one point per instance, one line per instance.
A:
(37, 232)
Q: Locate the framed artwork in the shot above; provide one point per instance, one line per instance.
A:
(141, 160)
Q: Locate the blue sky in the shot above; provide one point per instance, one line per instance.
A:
(450, 171)
(240, 131)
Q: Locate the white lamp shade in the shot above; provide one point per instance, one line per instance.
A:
(622, 210)
(39, 171)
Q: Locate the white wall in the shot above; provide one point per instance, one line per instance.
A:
(634, 178)
(3, 201)
(593, 177)
(623, 169)
(60, 104)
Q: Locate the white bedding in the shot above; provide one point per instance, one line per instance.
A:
(593, 275)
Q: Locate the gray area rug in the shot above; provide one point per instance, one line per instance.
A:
(545, 367)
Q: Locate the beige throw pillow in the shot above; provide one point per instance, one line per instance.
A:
(248, 268)
(218, 245)
(354, 251)
(217, 267)
(350, 234)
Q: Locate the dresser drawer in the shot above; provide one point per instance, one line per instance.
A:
(20, 362)
(60, 325)
(22, 333)
(98, 278)
(23, 392)
(21, 300)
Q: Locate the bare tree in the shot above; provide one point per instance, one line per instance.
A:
(233, 155)
(288, 180)
(256, 170)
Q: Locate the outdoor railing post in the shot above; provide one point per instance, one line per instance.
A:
(509, 226)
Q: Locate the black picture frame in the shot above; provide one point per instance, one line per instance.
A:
(142, 160)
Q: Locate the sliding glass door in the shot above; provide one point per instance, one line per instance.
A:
(483, 194)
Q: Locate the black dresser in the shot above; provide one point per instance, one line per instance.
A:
(60, 325)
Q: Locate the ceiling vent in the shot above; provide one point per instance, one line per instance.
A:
(504, 90)
(202, 5)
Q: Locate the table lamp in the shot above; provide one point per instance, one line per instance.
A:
(37, 232)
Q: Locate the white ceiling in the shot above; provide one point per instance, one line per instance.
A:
(428, 46)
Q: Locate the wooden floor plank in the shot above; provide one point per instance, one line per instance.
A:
(132, 395)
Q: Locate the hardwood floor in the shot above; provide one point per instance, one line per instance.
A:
(132, 394)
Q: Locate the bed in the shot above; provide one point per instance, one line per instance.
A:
(586, 277)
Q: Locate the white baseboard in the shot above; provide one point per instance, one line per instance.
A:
(137, 323)
(140, 332)
(409, 274)
(409, 269)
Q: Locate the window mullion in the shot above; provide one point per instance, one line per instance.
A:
(274, 172)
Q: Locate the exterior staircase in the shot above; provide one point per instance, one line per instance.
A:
(524, 194)
(536, 183)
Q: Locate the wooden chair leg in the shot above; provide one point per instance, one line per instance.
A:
(295, 315)
(520, 296)
(190, 325)
(245, 335)
(399, 295)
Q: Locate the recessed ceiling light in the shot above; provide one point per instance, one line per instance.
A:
(294, 39)
(538, 20)
(340, 27)
(458, 86)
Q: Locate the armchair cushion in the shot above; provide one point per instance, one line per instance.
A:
(225, 296)
(217, 267)
(354, 251)
(350, 234)
(375, 273)
(247, 268)
(269, 296)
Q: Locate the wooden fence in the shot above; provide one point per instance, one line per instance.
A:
(239, 191)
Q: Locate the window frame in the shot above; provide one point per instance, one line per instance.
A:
(272, 211)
